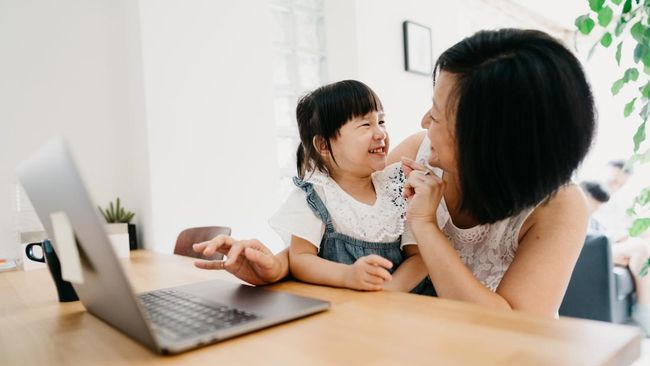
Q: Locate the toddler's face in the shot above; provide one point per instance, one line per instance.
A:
(362, 145)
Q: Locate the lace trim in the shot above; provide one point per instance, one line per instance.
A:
(488, 250)
(381, 222)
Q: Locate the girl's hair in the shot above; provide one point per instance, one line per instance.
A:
(322, 112)
(525, 119)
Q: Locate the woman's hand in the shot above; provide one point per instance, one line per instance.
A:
(423, 191)
(368, 273)
(248, 260)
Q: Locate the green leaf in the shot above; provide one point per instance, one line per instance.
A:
(637, 31)
(605, 16)
(102, 212)
(616, 2)
(112, 211)
(596, 5)
(627, 6)
(631, 74)
(629, 108)
(644, 270)
(645, 91)
(643, 198)
(639, 226)
(645, 111)
(620, 26)
(646, 59)
(644, 159)
(606, 40)
(585, 24)
(617, 86)
(618, 53)
(639, 136)
(640, 51)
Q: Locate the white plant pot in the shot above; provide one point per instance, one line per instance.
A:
(119, 236)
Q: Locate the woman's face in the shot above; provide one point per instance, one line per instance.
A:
(440, 125)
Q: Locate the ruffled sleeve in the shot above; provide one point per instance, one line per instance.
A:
(295, 217)
(407, 238)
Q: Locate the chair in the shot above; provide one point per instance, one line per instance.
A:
(193, 235)
(599, 290)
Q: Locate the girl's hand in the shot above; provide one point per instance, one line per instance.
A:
(423, 191)
(368, 273)
(249, 260)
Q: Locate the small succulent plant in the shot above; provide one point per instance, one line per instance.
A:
(116, 213)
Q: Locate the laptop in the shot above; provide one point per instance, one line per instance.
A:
(166, 321)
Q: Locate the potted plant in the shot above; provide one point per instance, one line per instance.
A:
(119, 228)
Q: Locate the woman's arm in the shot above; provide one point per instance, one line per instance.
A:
(538, 276)
(535, 282)
(410, 273)
(407, 148)
(248, 260)
(537, 279)
(367, 273)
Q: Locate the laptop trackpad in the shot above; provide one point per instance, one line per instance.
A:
(257, 300)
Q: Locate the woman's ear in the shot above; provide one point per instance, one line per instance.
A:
(321, 146)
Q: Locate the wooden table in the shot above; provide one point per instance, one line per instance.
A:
(360, 328)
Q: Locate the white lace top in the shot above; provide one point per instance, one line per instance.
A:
(381, 222)
(487, 250)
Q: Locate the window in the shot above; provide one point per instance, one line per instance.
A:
(299, 65)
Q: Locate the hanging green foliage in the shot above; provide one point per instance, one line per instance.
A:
(611, 18)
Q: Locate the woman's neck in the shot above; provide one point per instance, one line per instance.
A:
(360, 188)
(452, 195)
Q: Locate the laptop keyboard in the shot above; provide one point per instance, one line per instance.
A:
(180, 315)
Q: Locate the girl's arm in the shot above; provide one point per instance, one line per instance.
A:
(410, 273)
(367, 273)
(407, 148)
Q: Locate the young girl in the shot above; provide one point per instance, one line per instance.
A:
(345, 219)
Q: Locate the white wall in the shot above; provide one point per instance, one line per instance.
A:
(208, 86)
(67, 69)
(212, 153)
(365, 43)
(168, 104)
(364, 40)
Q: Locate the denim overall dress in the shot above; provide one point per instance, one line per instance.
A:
(341, 248)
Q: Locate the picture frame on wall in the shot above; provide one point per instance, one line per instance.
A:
(418, 54)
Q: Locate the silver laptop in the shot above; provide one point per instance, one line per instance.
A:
(166, 321)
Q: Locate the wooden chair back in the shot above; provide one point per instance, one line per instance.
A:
(194, 235)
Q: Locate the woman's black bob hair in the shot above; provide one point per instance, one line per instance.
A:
(524, 119)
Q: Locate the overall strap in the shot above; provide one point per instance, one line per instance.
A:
(315, 203)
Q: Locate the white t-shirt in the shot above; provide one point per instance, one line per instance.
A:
(381, 222)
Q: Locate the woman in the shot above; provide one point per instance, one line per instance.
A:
(491, 205)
